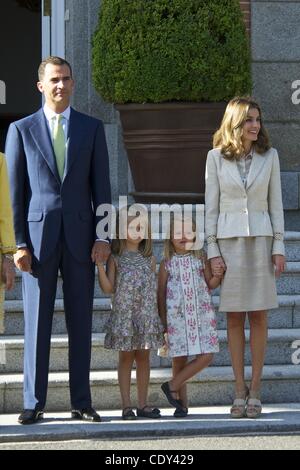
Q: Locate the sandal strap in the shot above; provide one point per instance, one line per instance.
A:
(128, 411)
(128, 408)
(239, 402)
(254, 402)
(152, 410)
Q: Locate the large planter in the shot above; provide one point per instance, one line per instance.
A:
(167, 146)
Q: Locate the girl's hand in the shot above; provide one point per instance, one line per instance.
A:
(279, 263)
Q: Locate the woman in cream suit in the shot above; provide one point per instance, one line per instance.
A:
(244, 229)
(7, 238)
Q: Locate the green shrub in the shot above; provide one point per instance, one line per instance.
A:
(163, 50)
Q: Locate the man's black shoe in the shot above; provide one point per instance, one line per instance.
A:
(87, 414)
(30, 416)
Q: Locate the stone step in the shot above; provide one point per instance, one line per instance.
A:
(286, 316)
(288, 283)
(14, 316)
(214, 386)
(279, 351)
(292, 246)
(210, 421)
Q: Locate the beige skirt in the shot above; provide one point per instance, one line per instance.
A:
(249, 282)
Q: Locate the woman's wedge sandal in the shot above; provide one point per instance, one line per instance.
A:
(254, 408)
(238, 409)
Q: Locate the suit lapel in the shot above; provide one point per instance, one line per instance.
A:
(257, 164)
(40, 133)
(231, 168)
(75, 136)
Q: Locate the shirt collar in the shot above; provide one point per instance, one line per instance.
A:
(49, 113)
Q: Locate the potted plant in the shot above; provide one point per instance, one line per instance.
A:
(170, 66)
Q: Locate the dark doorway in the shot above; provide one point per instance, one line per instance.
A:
(20, 55)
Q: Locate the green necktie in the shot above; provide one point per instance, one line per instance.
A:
(59, 145)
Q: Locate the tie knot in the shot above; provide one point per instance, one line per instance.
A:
(57, 119)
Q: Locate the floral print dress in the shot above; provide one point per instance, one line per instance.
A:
(134, 322)
(190, 313)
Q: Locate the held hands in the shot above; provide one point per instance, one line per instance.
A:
(8, 273)
(100, 252)
(23, 260)
(218, 267)
(279, 263)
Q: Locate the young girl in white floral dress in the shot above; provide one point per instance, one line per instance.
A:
(186, 310)
(134, 326)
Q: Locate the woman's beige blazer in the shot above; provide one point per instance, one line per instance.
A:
(231, 210)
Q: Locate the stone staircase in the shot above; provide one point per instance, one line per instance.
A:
(214, 386)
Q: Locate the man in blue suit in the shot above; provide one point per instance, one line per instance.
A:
(59, 174)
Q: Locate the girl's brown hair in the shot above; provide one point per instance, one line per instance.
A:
(118, 245)
(168, 245)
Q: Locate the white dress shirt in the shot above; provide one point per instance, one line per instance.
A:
(50, 115)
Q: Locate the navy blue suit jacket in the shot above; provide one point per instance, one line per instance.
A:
(41, 201)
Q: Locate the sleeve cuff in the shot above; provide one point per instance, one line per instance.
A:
(213, 250)
(278, 247)
(8, 250)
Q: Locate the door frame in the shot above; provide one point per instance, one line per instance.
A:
(53, 28)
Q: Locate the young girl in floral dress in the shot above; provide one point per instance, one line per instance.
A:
(186, 310)
(134, 326)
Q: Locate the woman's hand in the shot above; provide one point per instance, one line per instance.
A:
(279, 263)
(8, 273)
(217, 266)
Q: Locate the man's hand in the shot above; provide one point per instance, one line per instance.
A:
(8, 273)
(279, 263)
(100, 252)
(216, 265)
(23, 260)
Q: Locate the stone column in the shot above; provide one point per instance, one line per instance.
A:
(275, 36)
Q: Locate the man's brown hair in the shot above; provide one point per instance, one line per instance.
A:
(54, 61)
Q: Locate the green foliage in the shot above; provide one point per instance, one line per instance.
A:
(167, 50)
